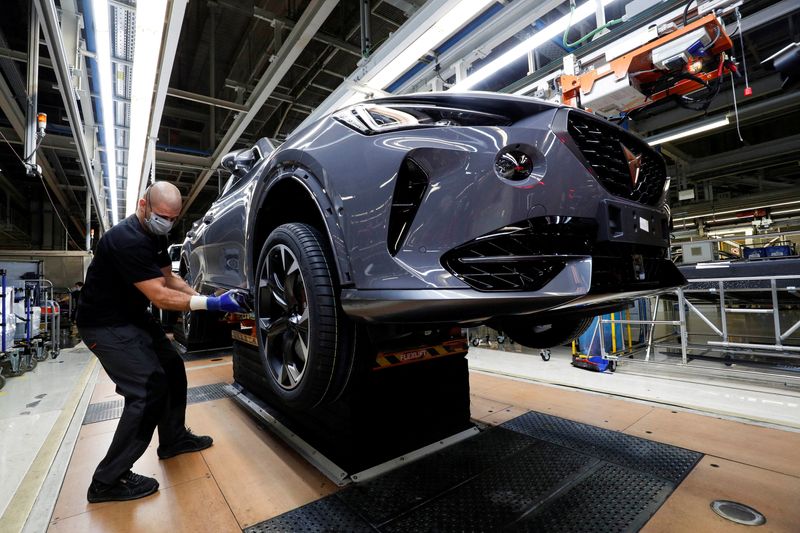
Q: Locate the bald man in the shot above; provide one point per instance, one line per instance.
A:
(130, 268)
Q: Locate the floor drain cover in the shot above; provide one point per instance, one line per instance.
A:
(738, 512)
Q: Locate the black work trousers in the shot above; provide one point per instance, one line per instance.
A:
(150, 375)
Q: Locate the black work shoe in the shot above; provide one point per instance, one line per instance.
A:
(128, 487)
(189, 442)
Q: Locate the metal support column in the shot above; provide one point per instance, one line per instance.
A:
(55, 43)
(776, 315)
(652, 330)
(600, 13)
(682, 318)
(722, 312)
(531, 62)
(212, 111)
(88, 221)
(31, 99)
(366, 33)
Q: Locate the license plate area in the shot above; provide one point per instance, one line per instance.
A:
(631, 223)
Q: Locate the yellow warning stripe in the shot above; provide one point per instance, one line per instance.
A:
(421, 353)
(243, 337)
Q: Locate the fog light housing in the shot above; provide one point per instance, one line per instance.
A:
(513, 165)
(520, 164)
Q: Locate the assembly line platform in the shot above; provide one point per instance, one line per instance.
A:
(543, 458)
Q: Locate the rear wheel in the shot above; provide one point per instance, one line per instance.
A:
(304, 338)
(547, 335)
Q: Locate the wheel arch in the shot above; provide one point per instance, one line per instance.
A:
(295, 195)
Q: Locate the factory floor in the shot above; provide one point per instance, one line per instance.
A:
(250, 476)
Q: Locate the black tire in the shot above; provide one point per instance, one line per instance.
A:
(612, 366)
(544, 355)
(2, 381)
(305, 340)
(475, 341)
(547, 335)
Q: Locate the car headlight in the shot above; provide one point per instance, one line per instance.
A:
(374, 118)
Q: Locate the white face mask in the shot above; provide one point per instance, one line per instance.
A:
(155, 224)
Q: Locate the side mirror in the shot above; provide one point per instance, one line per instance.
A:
(238, 162)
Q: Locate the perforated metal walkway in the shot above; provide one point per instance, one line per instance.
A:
(101, 411)
(535, 473)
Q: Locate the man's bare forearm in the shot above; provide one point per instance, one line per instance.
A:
(177, 284)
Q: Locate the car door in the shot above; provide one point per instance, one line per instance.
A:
(224, 232)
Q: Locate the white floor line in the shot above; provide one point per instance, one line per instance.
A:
(42, 511)
(30, 405)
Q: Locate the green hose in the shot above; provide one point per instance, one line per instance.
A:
(588, 35)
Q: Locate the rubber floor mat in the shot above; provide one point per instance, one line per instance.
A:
(535, 473)
(668, 462)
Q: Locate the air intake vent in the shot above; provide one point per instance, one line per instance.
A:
(521, 257)
(412, 182)
(623, 164)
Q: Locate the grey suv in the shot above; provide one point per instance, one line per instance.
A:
(432, 210)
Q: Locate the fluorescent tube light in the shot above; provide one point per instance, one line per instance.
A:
(457, 17)
(101, 14)
(150, 16)
(555, 29)
(660, 139)
(730, 211)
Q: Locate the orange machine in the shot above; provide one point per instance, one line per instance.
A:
(637, 69)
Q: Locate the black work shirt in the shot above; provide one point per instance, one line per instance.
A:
(125, 255)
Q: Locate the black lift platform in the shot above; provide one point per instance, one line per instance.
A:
(401, 406)
(403, 444)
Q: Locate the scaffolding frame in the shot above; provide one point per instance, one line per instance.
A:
(725, 344)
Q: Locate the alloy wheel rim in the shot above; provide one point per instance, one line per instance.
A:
(283, 317)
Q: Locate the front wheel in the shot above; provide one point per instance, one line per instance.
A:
(304, 338)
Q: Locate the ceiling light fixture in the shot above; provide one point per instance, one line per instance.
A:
(446, 26)
(150, 18)
(738, 210)
(688, 132)
(586, 10)
(100, 13)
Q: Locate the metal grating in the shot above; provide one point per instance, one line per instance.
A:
(325, 515)
(382, 498)
(668, 462)
(206, 393)
(612, 499)
(99, 412)
(500, 495)
(577, 478)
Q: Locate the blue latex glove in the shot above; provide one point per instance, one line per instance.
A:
(227, 303)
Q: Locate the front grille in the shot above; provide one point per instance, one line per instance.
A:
(602, 145)
(528, 255)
